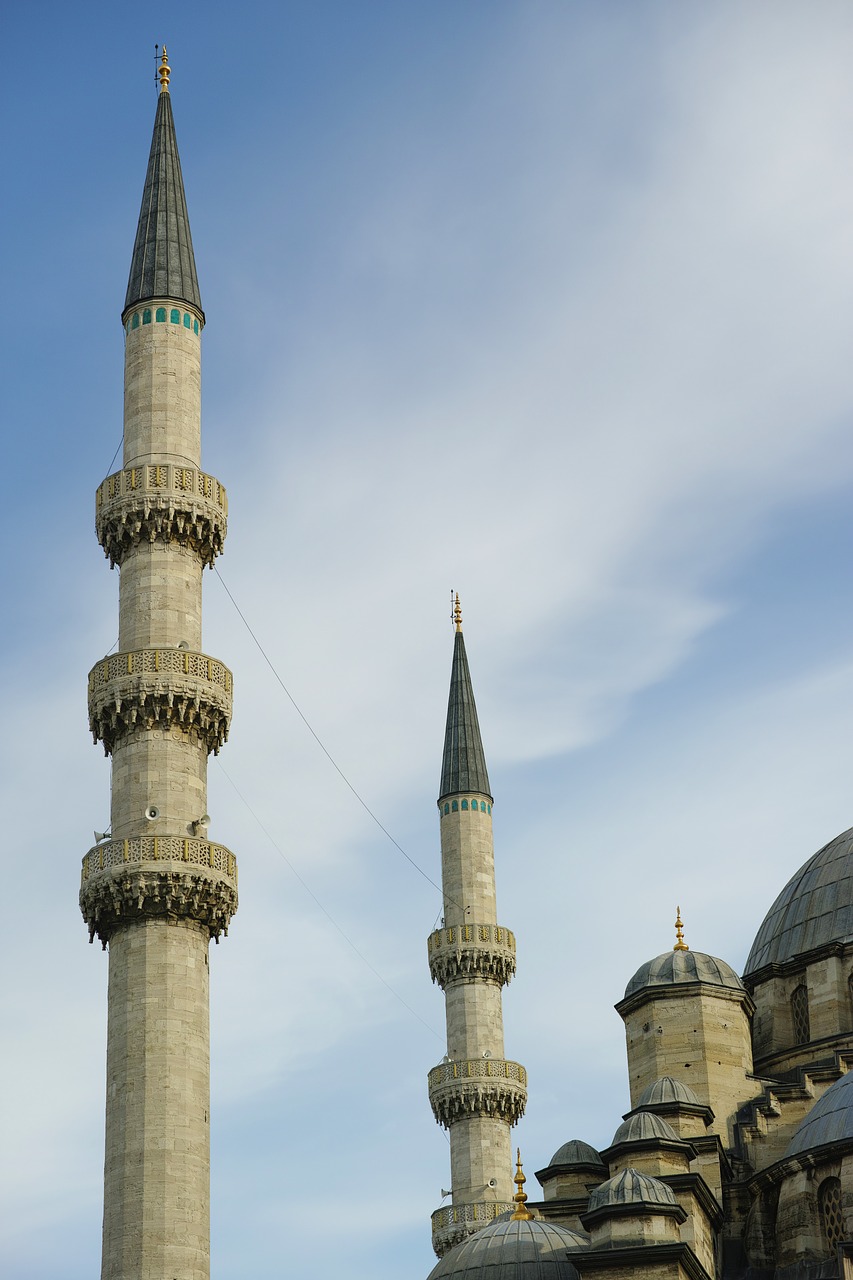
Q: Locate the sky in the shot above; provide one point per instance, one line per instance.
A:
(548, 303)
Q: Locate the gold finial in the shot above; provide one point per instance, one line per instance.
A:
(680, 944)
(522, 1213)
(456, 615)
(164, 71)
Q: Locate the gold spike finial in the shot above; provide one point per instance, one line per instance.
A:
(522, 1213)
(456, 615)
(164, 71)
(680, 944)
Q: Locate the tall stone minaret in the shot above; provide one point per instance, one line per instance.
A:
(154, 889)
(475, 1093)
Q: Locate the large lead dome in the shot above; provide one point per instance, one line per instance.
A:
(513, 1250)
(815, 908)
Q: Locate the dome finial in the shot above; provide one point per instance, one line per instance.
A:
(522, 1213)
(164, 72)
(680, 944)
(456, 615)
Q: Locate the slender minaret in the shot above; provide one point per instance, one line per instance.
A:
(475, 1093)
(154, 889)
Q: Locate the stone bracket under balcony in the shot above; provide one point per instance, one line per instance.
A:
(149, 876)
(454, 1223)
(161, 502)
(160, 689)
(471, 951)
(477, 1087)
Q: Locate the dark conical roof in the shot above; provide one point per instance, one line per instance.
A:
(464, 765)
(163, 265)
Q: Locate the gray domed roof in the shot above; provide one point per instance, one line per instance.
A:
(576, 1152)
(531, 1250)
(665, 1090)
(830, 1119)
(814, 908)
(683, 966)
(644, 1126)
(630, 1187)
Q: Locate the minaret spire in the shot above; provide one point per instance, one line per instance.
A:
(163, 263)
(157, 890)
(475, 1092)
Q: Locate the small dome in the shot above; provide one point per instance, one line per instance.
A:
(683, 966)
(830, 1119)
(631, 1187)
(531, 1250)
(814, 908)
(577, 1153)
(665, 1090)
(644, 1126)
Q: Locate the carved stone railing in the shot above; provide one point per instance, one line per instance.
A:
(162, 689)
(165, 502)
(455, 1222)
(172, 876)
(478, 1087)
(471, 951)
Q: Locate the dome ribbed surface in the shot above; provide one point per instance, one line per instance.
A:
(532, 1250)
(683, 966)
(830, 1119)
(814, 908)
(665, 1090)
(631, 1187)
(163, 263)
(576, 1152)
(463, 766)
(644, 1126)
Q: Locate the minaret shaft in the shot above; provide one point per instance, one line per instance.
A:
(156, 890)
(475, 1093)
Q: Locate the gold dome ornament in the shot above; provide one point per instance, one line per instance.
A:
(680, 944)
(522, 1213)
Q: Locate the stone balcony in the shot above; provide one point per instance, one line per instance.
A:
(173, 876)
(456, 1222)
(467, 1088)
(161, 501)
(160, 689)
(471, 950)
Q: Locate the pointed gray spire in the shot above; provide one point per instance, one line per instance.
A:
(163, 265)
(464, 765)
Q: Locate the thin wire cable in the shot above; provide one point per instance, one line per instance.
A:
(312, 895)
(321, 745)
(109, 469)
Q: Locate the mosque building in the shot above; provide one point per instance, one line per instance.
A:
(735, 1158)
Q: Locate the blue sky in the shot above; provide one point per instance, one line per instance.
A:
(545, 302)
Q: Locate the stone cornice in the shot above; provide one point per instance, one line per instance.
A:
(160, 689)
(468, 951)
(453, 1223)
(161, 501)
(678, 990)
(645, 1258)
(796, 965)
(157, 876)
(478, 1087)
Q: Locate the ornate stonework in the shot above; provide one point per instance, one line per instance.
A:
(478, 1087)
(162, 502)
(456, 1222)
(158, 876)
(471, 950)
(160, 689)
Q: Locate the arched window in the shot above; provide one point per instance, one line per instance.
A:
(175, 316)
(455, 806)
(482, 806)
(195, 326)
(447, 808)
(160, 315)
(146, 316)
(464, 804)
(188, 324)
(829, 1204)
(800, 1014)
(134, 324)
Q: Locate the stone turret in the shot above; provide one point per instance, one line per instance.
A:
(475, 1092)
(156, 890)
